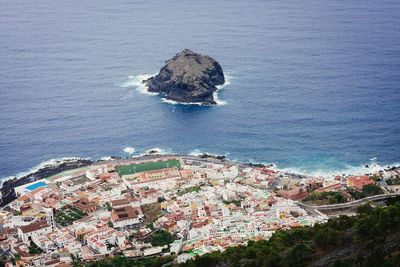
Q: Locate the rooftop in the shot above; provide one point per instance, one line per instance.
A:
(34, 226)
(125, 213)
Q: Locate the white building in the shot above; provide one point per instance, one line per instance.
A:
(95, 172)
(105, 239)
(126, 216)
(34, 230)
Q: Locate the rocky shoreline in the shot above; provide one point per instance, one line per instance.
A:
(7, 189)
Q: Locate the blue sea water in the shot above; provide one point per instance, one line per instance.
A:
(314, 85)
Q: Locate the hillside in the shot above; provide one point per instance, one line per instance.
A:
(370, 239)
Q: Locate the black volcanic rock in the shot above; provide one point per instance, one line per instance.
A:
(7, 189)
(188, 77)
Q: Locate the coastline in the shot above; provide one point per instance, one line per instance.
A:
(7, 186)
(59, 165)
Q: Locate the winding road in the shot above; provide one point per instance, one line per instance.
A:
(348, 205)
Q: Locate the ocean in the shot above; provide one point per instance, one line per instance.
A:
(314, 86)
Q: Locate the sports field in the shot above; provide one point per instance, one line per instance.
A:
(148, 166)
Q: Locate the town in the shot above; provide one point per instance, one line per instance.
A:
(181, 206)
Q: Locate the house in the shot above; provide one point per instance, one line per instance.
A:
(35, 229)
(124, 202)
(394, 188)
(159, 179)
(95, 172)
(187, 174)
(105, 239)
(85, 205)
(329, 188)
(358, 182)
(126, 216)
(295, 193)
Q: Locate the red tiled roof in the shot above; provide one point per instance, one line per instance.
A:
(34, 226)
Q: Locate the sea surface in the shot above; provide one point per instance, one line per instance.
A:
(314, 86)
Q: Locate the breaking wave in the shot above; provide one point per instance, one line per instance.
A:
(368, 168)
(198, 152)
(220, 102)
(106, 158)
(129, 150)
(137, 82)
(173, 102)
(159, 151)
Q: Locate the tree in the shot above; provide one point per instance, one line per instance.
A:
(160, 238)
(34, 249)
(369, 231)
(17, 257)
(298, 255)
(371, 190)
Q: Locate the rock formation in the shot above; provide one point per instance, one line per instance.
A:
(188, 77)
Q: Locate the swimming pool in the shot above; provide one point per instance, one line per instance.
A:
(36, 185)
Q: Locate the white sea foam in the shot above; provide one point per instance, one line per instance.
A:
(347, 170)
(198, 152)
(106, 158)
(173, 102)
(137, 82)
(228, 79)
(129, 150)
(159, 151)
(220, 102)
(217, 100)
(367, 168)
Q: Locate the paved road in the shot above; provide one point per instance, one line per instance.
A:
(351, 204)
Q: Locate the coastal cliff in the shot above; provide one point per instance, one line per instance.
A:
(188, 77)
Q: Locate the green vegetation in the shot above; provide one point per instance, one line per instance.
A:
(236, 202)
(148, 166)
(321, 198)
(151, 212)
(17, 213)
(34, 249)
(108, 206)
(362, 240)
(160, 238)
(395, 181)
(67, 215)
(189, 190)
(122, 261)
(376, 177)
(3, 261)
(367, 191)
